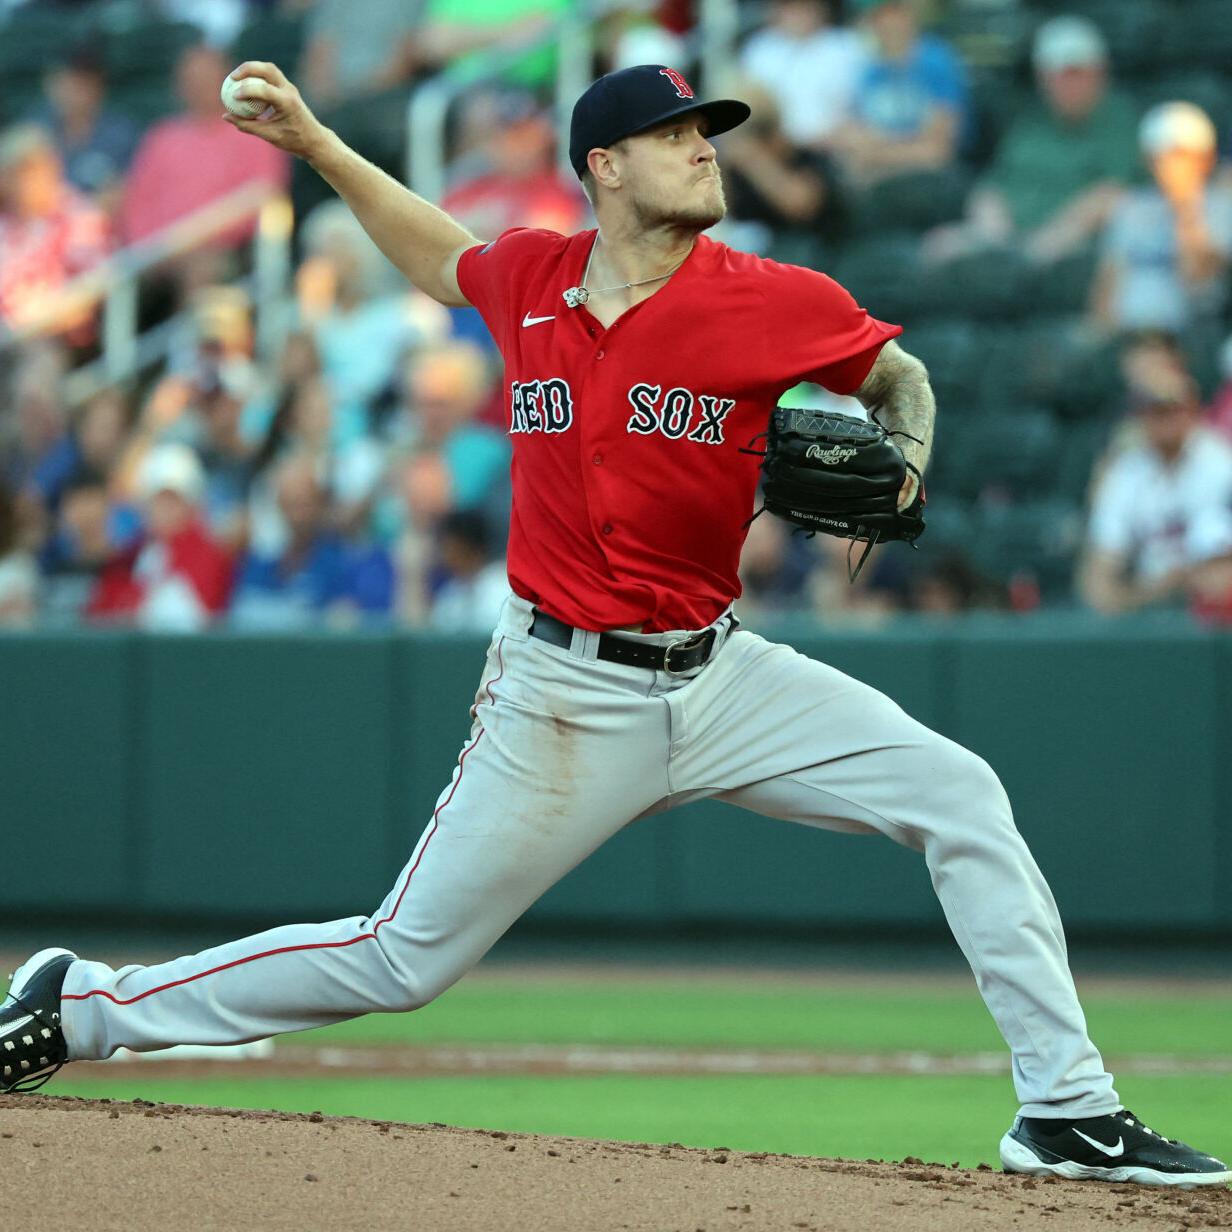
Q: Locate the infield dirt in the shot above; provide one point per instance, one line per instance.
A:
(101, 1164)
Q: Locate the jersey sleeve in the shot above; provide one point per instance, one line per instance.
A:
(818, 331)
(491, 274)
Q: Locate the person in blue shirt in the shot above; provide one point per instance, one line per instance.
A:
(912, 103)
(319, 577)
(95, 142)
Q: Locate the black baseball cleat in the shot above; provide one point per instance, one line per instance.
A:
(32, 1045)
(1117, 1147)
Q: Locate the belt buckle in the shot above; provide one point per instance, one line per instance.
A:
(685, 643)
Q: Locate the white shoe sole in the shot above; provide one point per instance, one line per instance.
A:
(32, 964)
(1017, 1157)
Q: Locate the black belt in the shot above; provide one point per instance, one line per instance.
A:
(679, 656)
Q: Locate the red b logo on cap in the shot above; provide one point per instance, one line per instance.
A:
(683, 89)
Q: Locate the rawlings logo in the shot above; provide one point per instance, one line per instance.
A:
(831, 456)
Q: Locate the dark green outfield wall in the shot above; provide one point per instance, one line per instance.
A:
(288, 778)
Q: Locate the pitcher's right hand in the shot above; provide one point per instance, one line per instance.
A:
(286, 121)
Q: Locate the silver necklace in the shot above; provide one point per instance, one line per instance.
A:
(574, 297)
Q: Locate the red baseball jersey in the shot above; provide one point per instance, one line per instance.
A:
(630, 492)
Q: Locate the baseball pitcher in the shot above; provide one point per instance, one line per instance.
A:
(642, 359)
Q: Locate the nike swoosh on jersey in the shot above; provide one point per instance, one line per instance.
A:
(1112, 1151)
(529, 320)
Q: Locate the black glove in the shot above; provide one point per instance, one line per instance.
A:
(838, 475)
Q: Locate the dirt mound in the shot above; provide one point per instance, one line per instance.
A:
(135, 1165)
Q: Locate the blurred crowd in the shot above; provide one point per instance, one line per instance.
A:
(1037, 191)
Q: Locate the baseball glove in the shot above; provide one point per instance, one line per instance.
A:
(838, 475)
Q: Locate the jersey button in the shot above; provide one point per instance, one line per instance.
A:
(597, 459)
(600, 354)
(607, 528)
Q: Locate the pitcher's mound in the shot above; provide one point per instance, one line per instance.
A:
(133, 1166)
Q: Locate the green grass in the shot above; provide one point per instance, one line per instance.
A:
(935, 1117)
(729, 1016)
(946, 1119)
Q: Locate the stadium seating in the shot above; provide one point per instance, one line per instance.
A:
(278, 37)
(31, 39)
(1001, 456)
(1195, 34)
(1133, 30)
(1036, 540)
(884, 274)
(1026, 397)
(148, 50)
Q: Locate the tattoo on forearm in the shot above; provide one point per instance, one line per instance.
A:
(897, 389)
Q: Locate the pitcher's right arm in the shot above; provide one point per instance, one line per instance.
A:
(419, 238)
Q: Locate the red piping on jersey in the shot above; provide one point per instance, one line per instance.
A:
(322, 945)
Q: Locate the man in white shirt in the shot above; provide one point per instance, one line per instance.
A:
(1141, 546)
(810, 66)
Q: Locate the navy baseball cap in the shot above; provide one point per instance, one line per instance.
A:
(634, 99)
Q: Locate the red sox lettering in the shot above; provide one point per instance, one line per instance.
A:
(541, 406)
(547, 406)
(672, 413)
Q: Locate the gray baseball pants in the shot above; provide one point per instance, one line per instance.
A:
(565, 750)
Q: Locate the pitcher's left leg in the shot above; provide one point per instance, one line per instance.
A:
(792, 738)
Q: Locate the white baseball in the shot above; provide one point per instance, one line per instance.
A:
(245, 108)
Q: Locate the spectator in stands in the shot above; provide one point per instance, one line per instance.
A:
(1063, 165)
(948, 584)
(634, 33)
(359, 313)
(358, 64)
(317, 577)
(192, 159)
(774, 570)
(774, 186)
(18, 570)
(423, 498)
(49, 233)
(911, 102)
(454, 29)
(520, 185)
(475, 585)
(352, 51)
(203, 410)
(1151, 497)
(176, 578)
(1165, 253)
(445, 388)
(877, 594)
(219, 392)
(83, 544)
(95, 506)
(41, 453)
(219, 21)
(351, 465)
(810, 65)
(445, 461)
(102, 430)
(94, 142)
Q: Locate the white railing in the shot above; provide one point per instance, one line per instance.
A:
(114, 282)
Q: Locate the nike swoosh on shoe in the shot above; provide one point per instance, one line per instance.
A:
(1111, 1151)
